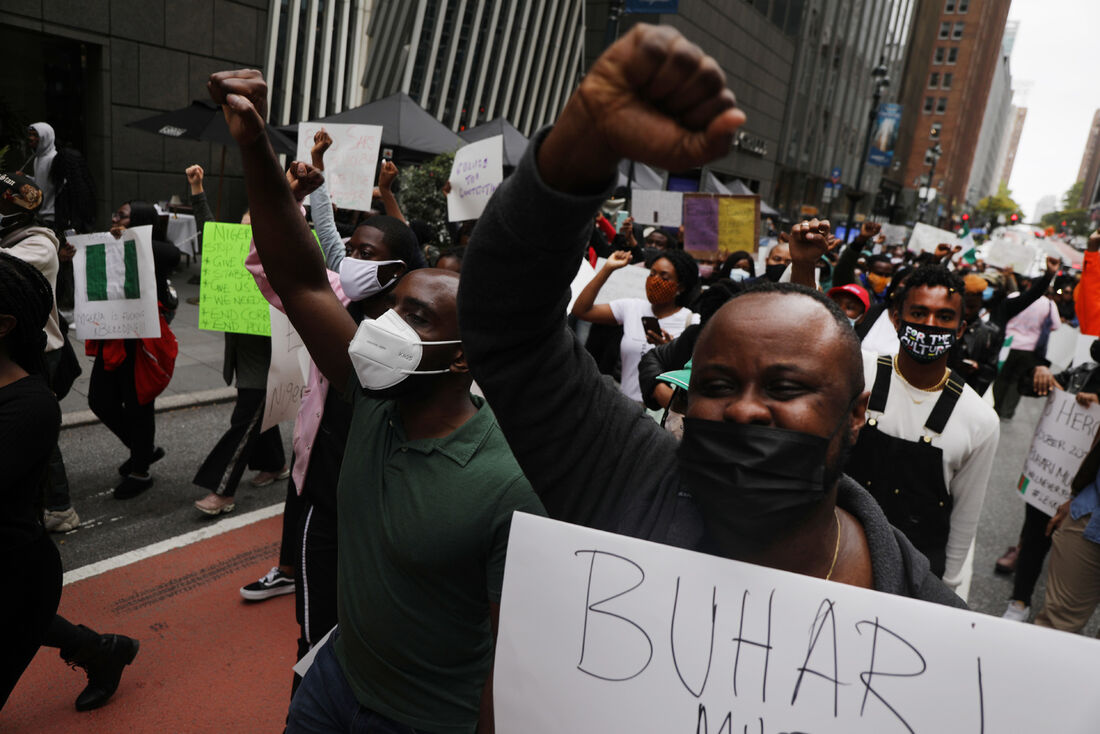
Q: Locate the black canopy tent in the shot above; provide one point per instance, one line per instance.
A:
(204, 121)
(406, 127)
(515, 144)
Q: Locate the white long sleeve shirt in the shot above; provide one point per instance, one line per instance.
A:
(968, 442)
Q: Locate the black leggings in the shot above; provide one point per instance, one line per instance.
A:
(28, 611)
(1034, 546)
(242, 444)
(112, 396)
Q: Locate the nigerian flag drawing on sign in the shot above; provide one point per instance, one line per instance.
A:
(115, 292)
(112, 271)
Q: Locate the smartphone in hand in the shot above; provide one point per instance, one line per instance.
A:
(650, 323)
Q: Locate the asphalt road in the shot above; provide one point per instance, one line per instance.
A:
(111, 527)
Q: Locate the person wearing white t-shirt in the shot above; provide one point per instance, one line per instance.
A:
(672, 280)
(928, 446)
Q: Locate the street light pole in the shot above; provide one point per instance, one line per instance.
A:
(934, 152)
(879, 75)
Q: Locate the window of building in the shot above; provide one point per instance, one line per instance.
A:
(952, 55)
(937, 127)
(957, 31)
(934, 80)
(945, 30)
(964, 5)
(927, 158)
(949, 6)
(948, 78)
(939, 54)
(941, 106)
(928, 102)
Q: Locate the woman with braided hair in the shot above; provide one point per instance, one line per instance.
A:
(30, 421)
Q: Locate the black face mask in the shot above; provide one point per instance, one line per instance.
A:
(1094, 350)
(774, 272)
(753, 482)
(925, 344)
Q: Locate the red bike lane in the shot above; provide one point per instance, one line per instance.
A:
(209, 661)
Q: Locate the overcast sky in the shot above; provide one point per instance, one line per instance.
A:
(1054, 65)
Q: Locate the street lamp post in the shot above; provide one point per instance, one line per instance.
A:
(881, 82)
(934, 153)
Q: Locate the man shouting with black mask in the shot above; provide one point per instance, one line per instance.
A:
(776, 392)
(928, 447)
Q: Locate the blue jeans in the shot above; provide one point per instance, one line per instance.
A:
(324, 703)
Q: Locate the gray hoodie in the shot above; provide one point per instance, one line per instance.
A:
(43, 160)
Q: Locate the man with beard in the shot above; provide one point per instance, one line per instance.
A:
(427, 486)
(776, 393)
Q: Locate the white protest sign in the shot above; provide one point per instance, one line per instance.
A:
(1062, 438)
(628, 282)
(349, 163)
(115, 294)
(287, 374)
(1062, 345)
(1083, 351)
(662, 208)
(895, 233)
(605, 633)
(477, 171)
(584, 276)
(925, 237)
(1008, 253)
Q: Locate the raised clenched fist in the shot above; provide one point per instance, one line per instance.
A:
(243, 97)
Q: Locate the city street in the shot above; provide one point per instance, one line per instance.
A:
(184, 606)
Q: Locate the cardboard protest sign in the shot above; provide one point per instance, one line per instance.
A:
(1062, 438)
(716, 224)
(895, 233)
(660, 208)
(737, 223)
(228, 297)
(628, 282)
(349, 164)
(605, 633)
(477, 171)
(115, 293)
(287, 374)
(925, 237)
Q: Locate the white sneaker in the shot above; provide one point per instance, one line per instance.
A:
(1017, 612)
(61, 521)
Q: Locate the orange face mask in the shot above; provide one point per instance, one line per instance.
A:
(878, 282)
(659, 290)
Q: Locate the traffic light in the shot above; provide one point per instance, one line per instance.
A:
(966, 217)
(1014, 218)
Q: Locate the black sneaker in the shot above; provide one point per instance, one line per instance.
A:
(124, 467)
(132, 486)
(274, 583)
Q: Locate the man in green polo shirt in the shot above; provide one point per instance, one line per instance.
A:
(427, 487)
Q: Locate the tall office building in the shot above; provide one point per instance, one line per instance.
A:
(1089, 172)
(90, 67)
(1012, 143)
(755, 43)
(826, 123)
(950, 86)
(985, 171)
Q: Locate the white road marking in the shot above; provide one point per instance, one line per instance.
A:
(163, 546)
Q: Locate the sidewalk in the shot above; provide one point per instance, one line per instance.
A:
(209, 661)
(198, 375)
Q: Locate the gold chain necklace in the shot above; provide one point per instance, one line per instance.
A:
(836, 550)
(935, 388)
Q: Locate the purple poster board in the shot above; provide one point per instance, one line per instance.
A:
(701, 224)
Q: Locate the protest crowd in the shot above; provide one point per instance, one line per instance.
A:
(826, 401)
